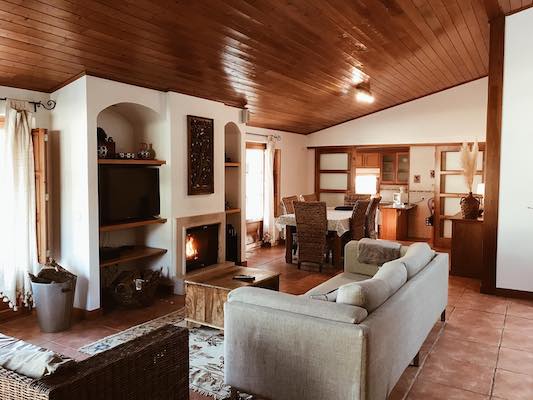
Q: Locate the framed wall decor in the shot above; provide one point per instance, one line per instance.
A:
(200, 155)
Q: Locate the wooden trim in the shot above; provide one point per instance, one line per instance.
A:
(369, 148)
(79, 314)
(256, 145)
(332, 191)
(516, 294)
(277, 182)
(492, 156)
(2, 121)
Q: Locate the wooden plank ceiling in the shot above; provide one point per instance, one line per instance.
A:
(292, 62)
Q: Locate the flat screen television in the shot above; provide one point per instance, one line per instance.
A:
(127, 193)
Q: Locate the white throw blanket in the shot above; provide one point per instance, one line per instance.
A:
(18, 240)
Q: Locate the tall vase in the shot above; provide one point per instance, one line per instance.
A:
(470, 207)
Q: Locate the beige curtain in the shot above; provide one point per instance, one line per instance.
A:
(18, 237)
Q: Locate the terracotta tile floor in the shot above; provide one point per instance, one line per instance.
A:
(483, 351)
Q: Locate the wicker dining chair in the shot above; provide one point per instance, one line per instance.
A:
(358, 220)
(371, 218)
(312, 228)
(288, 204)
(310, 197)
(351, 198)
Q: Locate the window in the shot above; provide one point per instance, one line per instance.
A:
(255, 170)
(366, 184)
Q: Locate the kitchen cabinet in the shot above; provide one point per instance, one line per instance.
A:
(395, 167)
(394, 222)
(467, 247)
(366, 160)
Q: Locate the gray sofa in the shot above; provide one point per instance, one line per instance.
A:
(284, 347)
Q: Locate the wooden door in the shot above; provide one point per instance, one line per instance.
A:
(333, 174)
(402, 167)
(449, 189)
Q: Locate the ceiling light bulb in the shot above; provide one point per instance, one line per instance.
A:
(364, 96)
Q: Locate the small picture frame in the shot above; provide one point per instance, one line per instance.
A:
(416, 179)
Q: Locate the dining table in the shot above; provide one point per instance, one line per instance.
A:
(338, 225)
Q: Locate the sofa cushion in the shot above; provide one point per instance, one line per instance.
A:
(30, 360)
(298, 305)
(372, 293)
(418, 255)
(329, 296)
(394, 273)
(334, 283)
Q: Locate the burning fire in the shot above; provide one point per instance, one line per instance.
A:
(190, 249)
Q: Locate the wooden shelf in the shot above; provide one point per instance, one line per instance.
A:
(131, 225)
(232, 164)
(121, 161)
(132, 254)
(233, 211)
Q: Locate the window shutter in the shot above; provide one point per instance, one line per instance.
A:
(40, 154)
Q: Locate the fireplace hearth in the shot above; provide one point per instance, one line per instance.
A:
(201, 246)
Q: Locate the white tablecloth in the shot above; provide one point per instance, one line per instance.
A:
(338, 221)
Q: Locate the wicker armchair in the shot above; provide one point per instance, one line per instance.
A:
(154, 366)
(351, 198)
(312, 228)
(371, 218)
(310, 197)
(288, 204)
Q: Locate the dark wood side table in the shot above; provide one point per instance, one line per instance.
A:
(467, 247)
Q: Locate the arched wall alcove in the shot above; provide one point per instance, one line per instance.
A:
(234, 185)
(130, 125)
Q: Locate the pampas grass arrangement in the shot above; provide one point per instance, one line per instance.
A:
(469, 163)
(469, 204)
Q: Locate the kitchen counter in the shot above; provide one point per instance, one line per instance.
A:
(392, 206)
(394, 221)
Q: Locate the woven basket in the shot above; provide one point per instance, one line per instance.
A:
(470, 207)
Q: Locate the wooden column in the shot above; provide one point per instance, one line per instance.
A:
(493, 143)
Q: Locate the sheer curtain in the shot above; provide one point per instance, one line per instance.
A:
(18, 237)
(268, 203)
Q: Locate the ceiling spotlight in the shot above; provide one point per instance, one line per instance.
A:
(363, 94)
(358, 76)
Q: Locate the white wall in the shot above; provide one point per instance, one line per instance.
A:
(454, 115)
(42, 116)
(422, 162)
(296, 160)
(72, 211)
(515, 225)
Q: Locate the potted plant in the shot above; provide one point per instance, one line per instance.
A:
(469, 204)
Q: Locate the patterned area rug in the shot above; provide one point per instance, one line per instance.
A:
(206, 352)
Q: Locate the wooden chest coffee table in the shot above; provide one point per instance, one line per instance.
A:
(206, 293)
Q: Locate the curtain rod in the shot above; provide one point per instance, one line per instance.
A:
(49, 105)
(277, 137)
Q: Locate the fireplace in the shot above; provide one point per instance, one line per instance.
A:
(201, 246)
